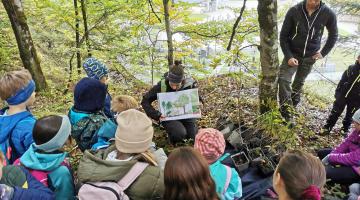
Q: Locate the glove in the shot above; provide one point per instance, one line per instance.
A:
(6, 192)
(325, 160)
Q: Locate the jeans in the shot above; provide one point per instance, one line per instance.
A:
(178, 130)
(289, 94)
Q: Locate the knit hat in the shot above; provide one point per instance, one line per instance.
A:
(59, 139)
(89, 95)
(211, 144)
(94, 68)
(356, 116)
(134, 132)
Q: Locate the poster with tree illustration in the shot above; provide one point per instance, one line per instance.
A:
(180, 105)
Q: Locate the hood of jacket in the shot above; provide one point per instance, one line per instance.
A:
(94, 167)
(39, 161)
(8, 122)
(76, 116)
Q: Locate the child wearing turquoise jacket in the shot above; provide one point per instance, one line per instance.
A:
(45, 158)
(211, 144)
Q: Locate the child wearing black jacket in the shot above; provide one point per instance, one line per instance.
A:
(347, 95)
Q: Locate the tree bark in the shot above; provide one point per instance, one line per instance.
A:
(77, 37)
(267, 11)
(170, 56)
(86, 29)
(28, 54)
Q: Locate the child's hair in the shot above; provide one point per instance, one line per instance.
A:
(13, 81)
(46, 128)
(187, 176)
(123, 102)
(303, 175)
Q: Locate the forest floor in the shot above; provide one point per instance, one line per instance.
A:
(225, 96)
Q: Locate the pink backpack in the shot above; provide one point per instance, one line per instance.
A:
(42, 176)
(111, 190)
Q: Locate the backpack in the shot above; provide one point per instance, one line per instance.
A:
(42, 176)
(111, 190)
(85, 131)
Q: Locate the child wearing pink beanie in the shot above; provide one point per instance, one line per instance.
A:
(211, 144)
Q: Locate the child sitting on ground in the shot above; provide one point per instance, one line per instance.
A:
(46, 160)
(187, 176)
(98, 70)
(132, 142)
(299, 176)
(16, 122)
(17, 183)
(347, 155)
(91, 129)
(211, 144)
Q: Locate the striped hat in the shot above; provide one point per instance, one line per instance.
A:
(211, 144)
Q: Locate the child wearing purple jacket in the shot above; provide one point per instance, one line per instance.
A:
(343, 162)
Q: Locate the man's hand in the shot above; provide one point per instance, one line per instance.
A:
(293, 62)
(317, 56)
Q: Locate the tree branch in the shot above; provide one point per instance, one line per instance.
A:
(235, 26)
(153, 11)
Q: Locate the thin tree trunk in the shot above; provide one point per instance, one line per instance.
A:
(235, 26)
(267, 11)
(86, 29)
(24, 41)
(77, 37)
(170, 56)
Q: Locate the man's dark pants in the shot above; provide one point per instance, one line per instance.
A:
(289, 94)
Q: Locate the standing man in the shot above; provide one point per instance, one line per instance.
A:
(300, 41)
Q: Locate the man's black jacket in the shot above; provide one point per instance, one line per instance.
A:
(301, 34)
(349, 85)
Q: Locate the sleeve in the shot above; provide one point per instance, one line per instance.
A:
(331, 26)
(22, 135)
(344, 146)
(343, 85)
(347, 159)
(35, 191)
(148, 98)
(286, 28)
(341, 154)
(234, 190)
(107, 107)
(159, 187)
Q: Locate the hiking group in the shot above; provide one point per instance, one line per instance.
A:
(120, 160)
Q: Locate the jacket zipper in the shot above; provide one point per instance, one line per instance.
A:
(309, 26)
(296, 30)
(356, 80)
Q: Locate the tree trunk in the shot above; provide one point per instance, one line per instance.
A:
(267, 11)
(86, 29)
(24, 41)
(170, 56)
(77, 37)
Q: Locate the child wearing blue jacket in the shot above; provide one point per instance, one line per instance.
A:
(17, 183)
(16, 122)
(46, 160)
(211, 144)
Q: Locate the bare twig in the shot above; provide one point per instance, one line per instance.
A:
(235, 26)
